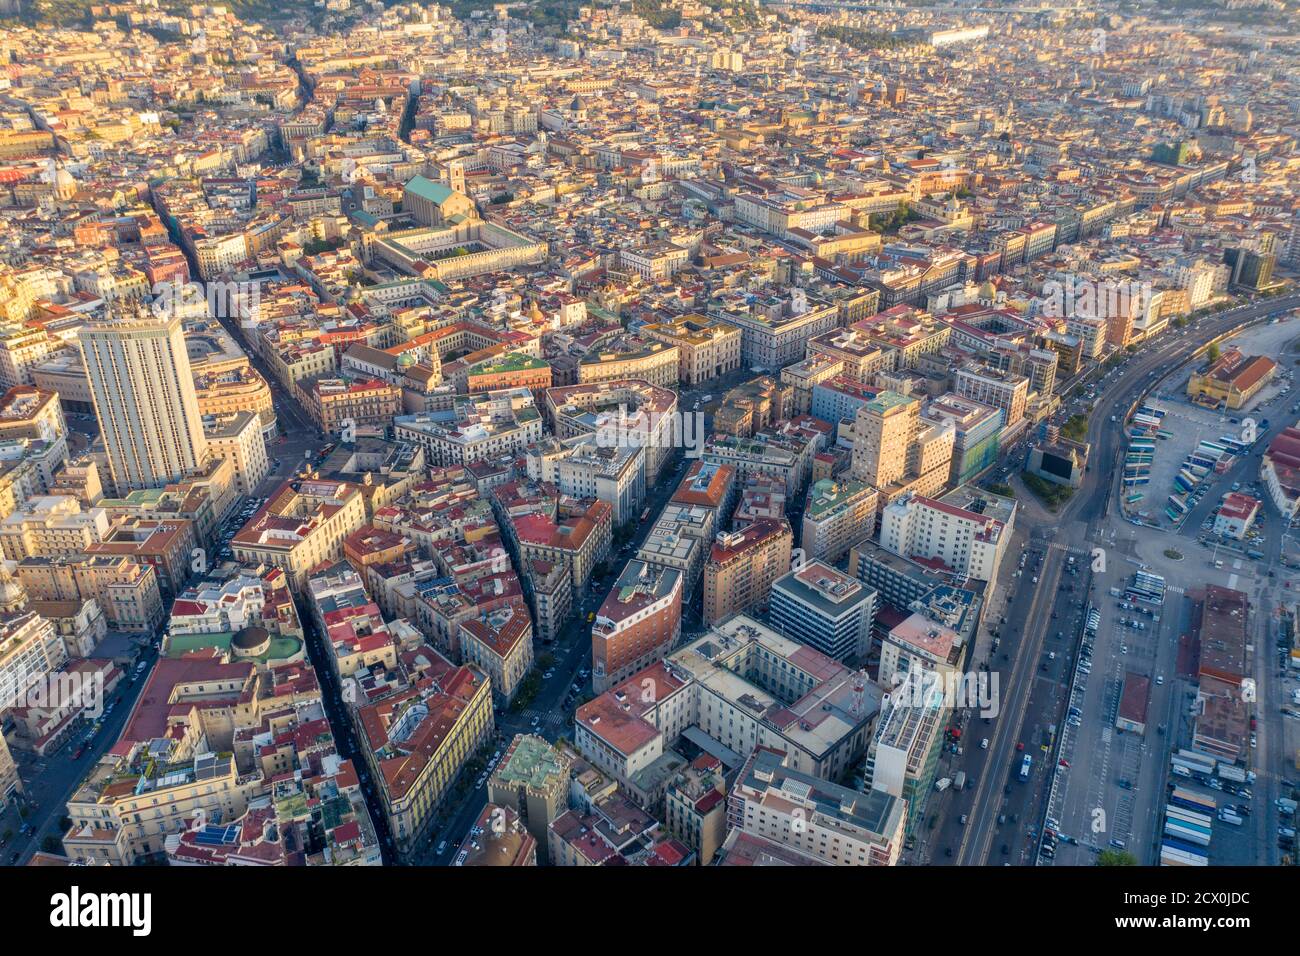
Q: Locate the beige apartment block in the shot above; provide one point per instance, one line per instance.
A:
(237, 437)
(302, 525)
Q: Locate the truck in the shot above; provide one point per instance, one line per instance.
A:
(1192, 801)
(1227, 816)
(1188, 816)
(1174, 856)
(1024, 767)
(1231, 772)
(1286, 806)
(1187, 834)
(959, 781)
(1181, 771)
(942, 784)
(1193, 764)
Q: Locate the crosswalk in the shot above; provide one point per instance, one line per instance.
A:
(545, 718)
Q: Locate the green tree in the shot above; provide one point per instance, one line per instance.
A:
(1116, 858)
(1212, 352)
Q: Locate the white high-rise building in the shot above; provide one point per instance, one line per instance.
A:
(144, 398)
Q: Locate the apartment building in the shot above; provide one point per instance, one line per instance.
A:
(143, 390)
(50, 526)
(169, 546)
(532, 781)
(965, 533)
(30, 652)
(977, 433)
(654, 260)
(585, 468)
(742, 565)
(478, 428)
(802, 377)
(497, 838)
(638, 623)
(22, 349)
(28, 412)
(499, 642)
(859, 353)
(707, 348)
(238, 437)
(775, 331)
(743, 685)
(903, 334)
(11, 782)
(1004, 390)
(632, 357)
(417, 739)
(576, 538)
(904, 754)
(695, 807)
(895, 451)
(127, 590)
(709, 485)
(821, 821)
(680, 540)
(172, 763)
(334, 403)
(302, 524)
(623, 412)
(837, 515)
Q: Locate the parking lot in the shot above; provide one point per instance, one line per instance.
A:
(1108, 786)
(1187, 424)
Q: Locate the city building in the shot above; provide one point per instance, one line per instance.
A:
(143, 391)
(707, 348)
(303, 524)
(742, 565)
(499, 642)
(637, 624)
(816, 819)
(838, 515)
(824, 608)
(1231, 381)
(532, 783)
(1237, 513)
(417, 739)
(895, 451)
(966, 532)
(695, 807)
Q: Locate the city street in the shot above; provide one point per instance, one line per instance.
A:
(1034, 699)
(49, 782)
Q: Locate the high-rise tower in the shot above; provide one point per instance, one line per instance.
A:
(144, 399)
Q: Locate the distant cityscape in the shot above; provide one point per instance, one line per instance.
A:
(652, 432)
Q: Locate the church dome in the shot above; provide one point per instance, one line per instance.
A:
(13, 596)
